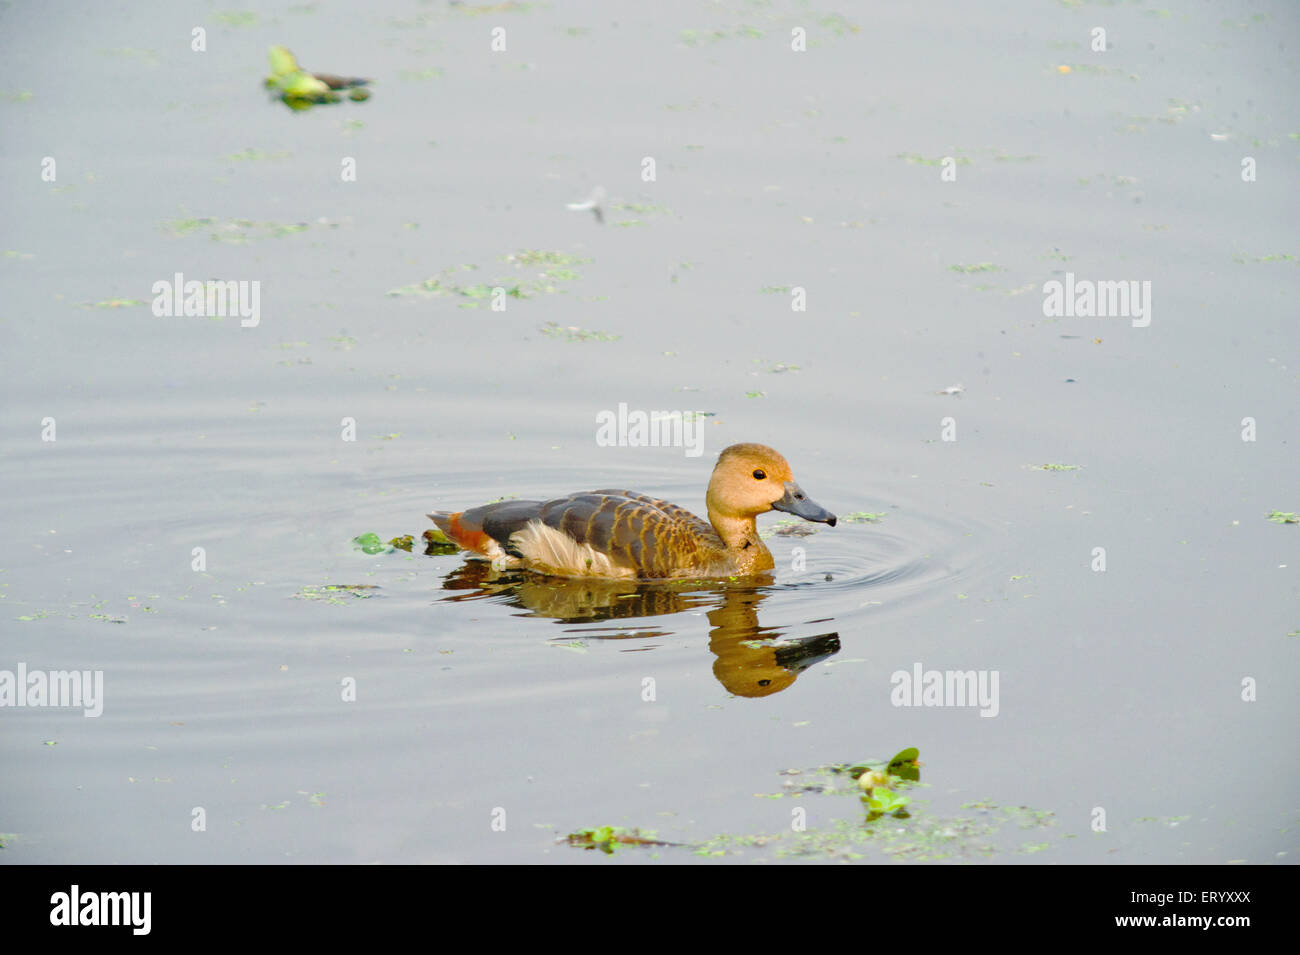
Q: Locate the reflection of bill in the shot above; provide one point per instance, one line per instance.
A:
(752, 660)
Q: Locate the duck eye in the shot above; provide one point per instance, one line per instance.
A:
(759, 474)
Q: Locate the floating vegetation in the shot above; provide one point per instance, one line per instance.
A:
(429, 73)
(978, 267)
(114, 303)
(776, 289)
(1173, 822)
(557, 267)
(1175, 113)
(881, 801)
(542, 257)
(930, 841)
(491, 9)
(1284, 517)
(887, 829)
(1055, 467)
(1090, 69)
(917, 159)
(863, 517)
(436, 542)
(572, 333)
(700, 37)
(335, 593)
(236, 18)
(787, 527)
(1280, 257)
(16, 96)
(371, 544)
(438, 287)
(775, 368)
(877, 783)
(637, 208)
(641, 208)
(839, 25)
(576, 646)
(42, 614)
(608, 838)
(966, 157)
(236, 231)
(256, 155)
(298, 89)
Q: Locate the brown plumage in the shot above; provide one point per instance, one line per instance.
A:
(614, 533)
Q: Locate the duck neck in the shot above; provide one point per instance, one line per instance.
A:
(740, 536)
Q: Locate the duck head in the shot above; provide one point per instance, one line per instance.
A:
(752, 479)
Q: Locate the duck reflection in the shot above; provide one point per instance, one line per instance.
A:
(751, 660)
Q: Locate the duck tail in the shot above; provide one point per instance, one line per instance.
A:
(467, 534)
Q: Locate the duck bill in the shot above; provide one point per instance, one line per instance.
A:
(798, 503)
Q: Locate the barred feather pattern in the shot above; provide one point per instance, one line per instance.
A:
(604, 533)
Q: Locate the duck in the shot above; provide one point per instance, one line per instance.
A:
(622, 534)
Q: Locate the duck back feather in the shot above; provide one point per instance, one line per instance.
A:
(605, 533)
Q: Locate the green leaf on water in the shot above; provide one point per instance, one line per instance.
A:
(909, 755)
(884, 800)
(369, 544)
(282, 62)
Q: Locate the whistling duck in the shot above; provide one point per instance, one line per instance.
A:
(612, 533)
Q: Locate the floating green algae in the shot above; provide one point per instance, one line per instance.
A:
(572, 333)
(609, 838)
(863, 517)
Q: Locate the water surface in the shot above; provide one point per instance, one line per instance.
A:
(479, 693)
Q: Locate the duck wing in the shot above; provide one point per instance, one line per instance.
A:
(608, 532)
(639, 534)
